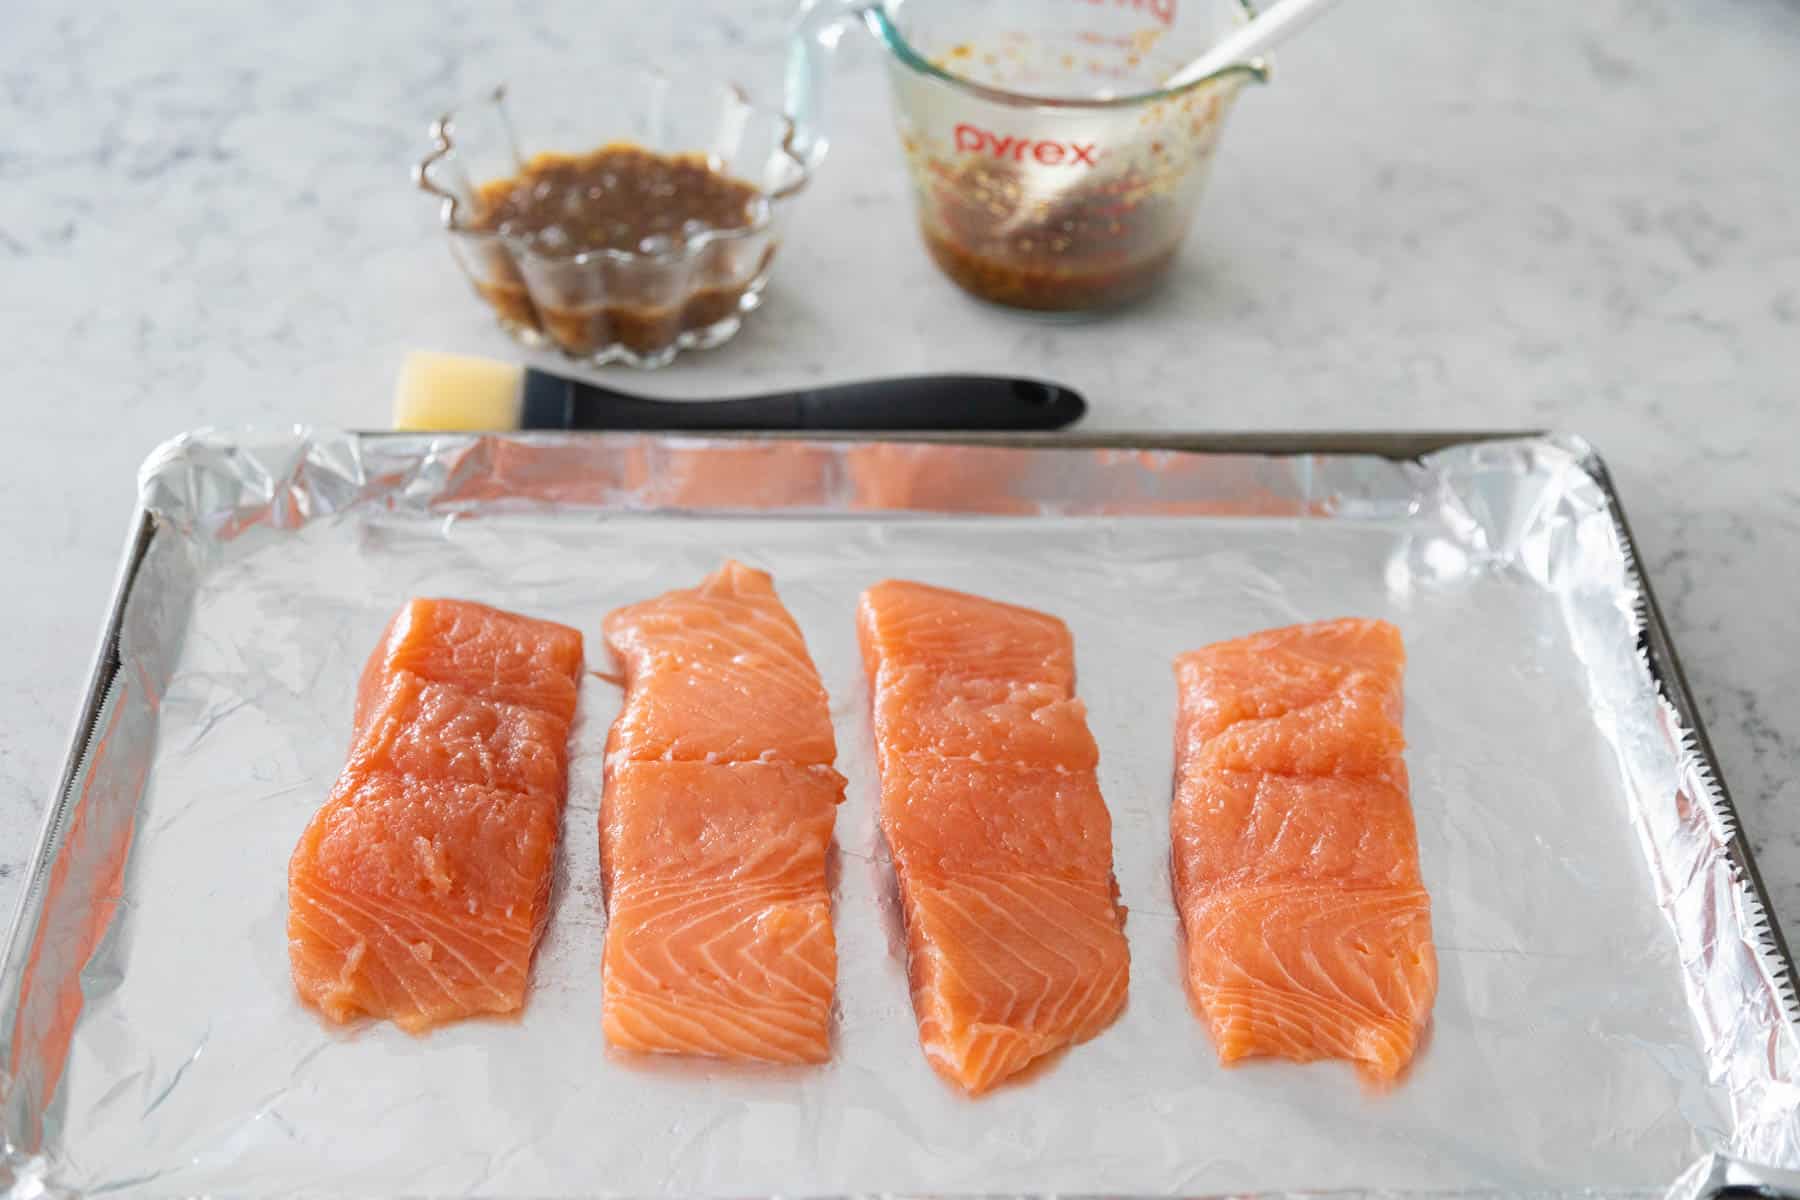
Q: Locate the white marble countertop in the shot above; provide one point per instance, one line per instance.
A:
(1535, 214)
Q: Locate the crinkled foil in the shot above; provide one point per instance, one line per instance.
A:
(1612, 1006)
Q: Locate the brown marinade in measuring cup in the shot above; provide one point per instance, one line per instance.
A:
(1052, 168)
(620, 197)
(1091, 246)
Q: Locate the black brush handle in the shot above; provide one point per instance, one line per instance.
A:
(918, 402)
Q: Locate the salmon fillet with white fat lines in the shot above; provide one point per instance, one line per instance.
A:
(715, 828)
(1295, 860)
(419, 890)
(1002, 845)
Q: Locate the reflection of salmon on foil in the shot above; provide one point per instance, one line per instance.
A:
(1296, 864)
(912, 477)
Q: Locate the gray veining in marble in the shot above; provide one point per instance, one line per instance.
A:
(1442, 213)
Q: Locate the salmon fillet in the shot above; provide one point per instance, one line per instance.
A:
(498, 655)
(715, 828)
(1002, 844)
(1295, 860)
(418, 891)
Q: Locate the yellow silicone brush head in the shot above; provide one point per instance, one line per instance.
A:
(457, 393)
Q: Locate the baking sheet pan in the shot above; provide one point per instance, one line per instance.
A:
(1614, 1001)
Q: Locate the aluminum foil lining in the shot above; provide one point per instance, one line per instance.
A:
(1612, 1007)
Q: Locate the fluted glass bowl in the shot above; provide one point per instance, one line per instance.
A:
(641, 306)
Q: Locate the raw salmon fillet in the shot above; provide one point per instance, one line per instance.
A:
(1001, 842)
(1295, 860)
(715, 827)
(418, 891)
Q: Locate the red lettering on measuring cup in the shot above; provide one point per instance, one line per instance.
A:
(972, 139)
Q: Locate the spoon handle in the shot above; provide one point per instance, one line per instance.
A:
(1275, 24)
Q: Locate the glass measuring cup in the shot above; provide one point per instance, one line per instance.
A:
(1050, 169)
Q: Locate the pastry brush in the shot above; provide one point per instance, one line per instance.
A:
(449, 392)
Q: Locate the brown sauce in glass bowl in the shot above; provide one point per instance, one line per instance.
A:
(615, 198)
(620, 198)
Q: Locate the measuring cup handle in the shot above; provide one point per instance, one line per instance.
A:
(813, 38)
